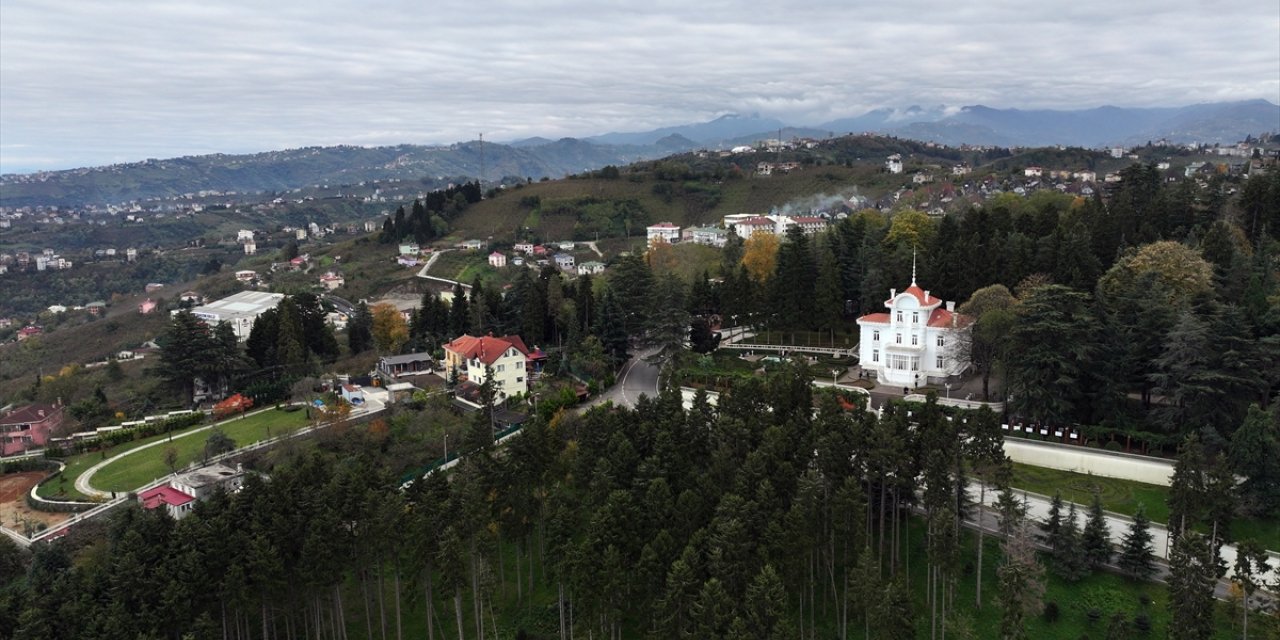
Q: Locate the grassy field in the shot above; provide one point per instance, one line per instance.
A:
(1124, 496)
(501, 215)
(133, 471)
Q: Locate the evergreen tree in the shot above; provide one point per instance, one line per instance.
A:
(1192, 577)
(1051, 528)
(359, 329)
(1096, 538)
(1255, 454)
(459, 313)
(610, 328)
(1021, 583)
(1049, 348)
(1069, 556)
(1137, 555)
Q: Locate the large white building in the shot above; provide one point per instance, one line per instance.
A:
(918, 342)
(663, 232)
(241, 310)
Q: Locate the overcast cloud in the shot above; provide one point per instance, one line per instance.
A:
(85, 82)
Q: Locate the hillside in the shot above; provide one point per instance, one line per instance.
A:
(280, 171)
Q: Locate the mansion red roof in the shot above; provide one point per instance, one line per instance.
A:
(809, 220)
(919, 293)
(32, 413)
(161, 496)
(755, 222)
(487, 348)
(875, 318)
(943, 318)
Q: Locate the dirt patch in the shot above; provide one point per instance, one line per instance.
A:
(14, 512)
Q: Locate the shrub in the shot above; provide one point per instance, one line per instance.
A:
(1094, 615)
(1114, 445)
(1051, 612)
(1142, 622)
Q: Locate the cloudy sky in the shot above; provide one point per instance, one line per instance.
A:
(86, 82)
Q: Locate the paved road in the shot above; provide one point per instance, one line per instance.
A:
(639, 377)
(1118, 525)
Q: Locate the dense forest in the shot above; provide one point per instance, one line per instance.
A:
(780, 513)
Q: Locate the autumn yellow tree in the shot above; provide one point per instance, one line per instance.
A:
(1176, 269)
(390, 331)
(912, 227)
(760, 255)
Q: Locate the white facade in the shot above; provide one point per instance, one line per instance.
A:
(497, 259)
(894, 163)
(509, 375)
(663, 232)
(240, 310)
(917, 342)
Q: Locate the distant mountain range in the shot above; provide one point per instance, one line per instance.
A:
(538, 157)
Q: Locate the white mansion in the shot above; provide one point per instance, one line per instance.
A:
(916, 342)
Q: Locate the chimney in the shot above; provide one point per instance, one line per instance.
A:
(926, 295)
(951, 306)
(40, 412)
(892, 293)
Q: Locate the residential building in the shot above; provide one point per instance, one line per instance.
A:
(371, 225)
(712, 236)
(916, 342)
(523, 247)
(131, 254)
(751, 226)
(250, 248)
(28, 332)
(147, 306)
(471, 245)
(961, 169)
(564, 261)
(894, 163)
(567, 245)
(153, 287)
(410, 249)
(331, 281)
(28, 427)
(409, 364)
(663, 232)
(497, 259)
(475, 358)
(241, 310)
(590, 268)
(353, 394)
(179, 496)
(808, 224)
(300, 234)
(244, 235)
(246, 275)
(1032, 172)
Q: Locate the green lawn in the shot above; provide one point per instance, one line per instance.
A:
(64, 487)
(133, 471)
(1124, 496)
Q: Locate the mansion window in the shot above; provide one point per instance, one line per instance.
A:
(915, 340)
(915, 318)
(875, 355)
(875, 336)
(501, 367)
(899, 316)
(898, 338)
(939, 362)
(942, 342)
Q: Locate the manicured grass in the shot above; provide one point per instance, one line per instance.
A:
(1120, 496)
(133, 471)
(1124, 496)
(65, 486)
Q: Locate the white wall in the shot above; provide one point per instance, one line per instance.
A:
(1099, 463)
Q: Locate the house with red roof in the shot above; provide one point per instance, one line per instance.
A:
(28, 427)
(476, 358)
(181, 493)
(918, 341)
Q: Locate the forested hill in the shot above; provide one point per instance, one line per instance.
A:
(297, 168)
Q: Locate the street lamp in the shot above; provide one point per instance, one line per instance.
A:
(948, 386)
(446, 446)
(835, 377)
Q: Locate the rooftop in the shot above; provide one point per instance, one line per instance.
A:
(246, 304)
(30, 413)
(164, 495)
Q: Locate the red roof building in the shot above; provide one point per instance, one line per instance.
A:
(473, 358)
(177, 503)
(917, 342)
(28, 427)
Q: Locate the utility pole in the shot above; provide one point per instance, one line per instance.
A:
(482, 166)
